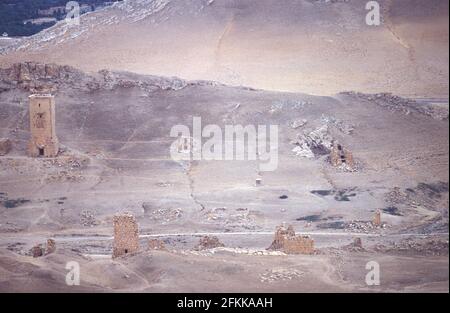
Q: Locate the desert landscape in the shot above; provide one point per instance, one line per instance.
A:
(362, 150)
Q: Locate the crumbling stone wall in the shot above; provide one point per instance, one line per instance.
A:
(377, 218)
(340, 156)
(126, 235)
(51, 246)
(5, 146)
(286, 241)
(41, 250)
(156, 244)
(43, 142)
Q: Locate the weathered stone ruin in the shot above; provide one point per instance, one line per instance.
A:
(340, 156)
(126, 235)
(286, 241)
(41, 250)
(43, 142)
(209, 242)
(37, 251)
(357, 242)
(51, 246)
(156, 244)
(5, 146)
(377, 219)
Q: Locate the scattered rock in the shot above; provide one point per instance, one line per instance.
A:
(208, 242)
(403, 105)
(298, 123)
(281, 274)
(87, 219)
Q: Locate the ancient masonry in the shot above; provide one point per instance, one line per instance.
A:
(5, 146)
(156, 244)
(126, 235)
(341, 156)
(41, 250)
(377, 218)
(44, 142)
(288, 242)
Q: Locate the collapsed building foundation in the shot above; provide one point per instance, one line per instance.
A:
(286, 241)
(126, 235)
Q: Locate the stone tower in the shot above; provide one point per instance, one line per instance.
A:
(340, 156)
(126, 235)
(44, 142)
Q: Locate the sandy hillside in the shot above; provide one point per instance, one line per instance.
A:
(315, 47)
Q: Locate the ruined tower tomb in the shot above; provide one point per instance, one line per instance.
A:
(43, 142)
(126, 235)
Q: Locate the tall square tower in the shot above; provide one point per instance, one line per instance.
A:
(126, 235)
(43, 142)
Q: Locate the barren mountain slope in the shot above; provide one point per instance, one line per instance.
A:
(314, 47)
(115, 131)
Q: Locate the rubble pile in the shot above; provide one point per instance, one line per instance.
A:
(342, 158)
(403, 105)
(318, 141)
(156, 244)
(355, 246)
(208, 242)
(241, 218)
(422, 246)
(364, 226)
(426, 195)
(281, 274)
(315, 143)
(87, 219)
(340, 125)
(163, 216)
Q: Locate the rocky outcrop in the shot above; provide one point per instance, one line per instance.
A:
(49, 78)
(403, 105)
